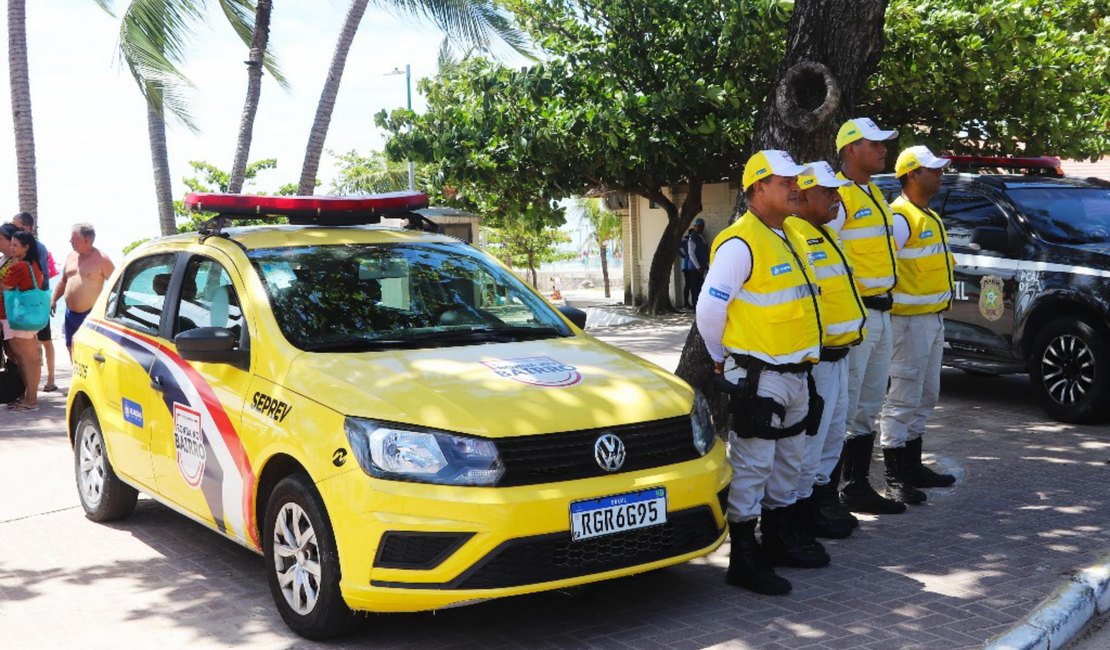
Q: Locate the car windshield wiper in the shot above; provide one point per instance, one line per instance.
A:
(500, 333)
(355, 345)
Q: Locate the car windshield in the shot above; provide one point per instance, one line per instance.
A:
(379, 296)
(1067, 215)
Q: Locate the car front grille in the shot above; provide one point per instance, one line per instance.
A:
(545, 558)
(569, 455)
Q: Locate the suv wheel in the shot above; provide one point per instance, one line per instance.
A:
(302, 562)
(1069, 369)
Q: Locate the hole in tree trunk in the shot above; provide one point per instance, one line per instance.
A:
(808, 96)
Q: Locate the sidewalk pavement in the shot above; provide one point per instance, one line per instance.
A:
(973, 564)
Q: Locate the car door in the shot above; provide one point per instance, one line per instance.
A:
(122, 353)
(199, 461)
(982, 312)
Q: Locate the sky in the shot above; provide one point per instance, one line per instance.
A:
(93, 154)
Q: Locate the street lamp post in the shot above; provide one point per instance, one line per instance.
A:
(408, 104)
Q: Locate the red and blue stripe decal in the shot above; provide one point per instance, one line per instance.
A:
(228, 483)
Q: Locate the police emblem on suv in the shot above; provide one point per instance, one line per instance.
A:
(609, 452)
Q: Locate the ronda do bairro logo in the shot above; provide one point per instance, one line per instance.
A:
(536, 371)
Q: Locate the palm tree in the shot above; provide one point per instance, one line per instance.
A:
(476, 24)
(153, 35)
(605, 227)
(21, 108)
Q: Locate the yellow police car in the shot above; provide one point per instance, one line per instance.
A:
(388, 415)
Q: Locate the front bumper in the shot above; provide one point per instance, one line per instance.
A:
(507, 541)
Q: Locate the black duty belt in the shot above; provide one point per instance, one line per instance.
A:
(834, 354)
(743, 360)
(879, 303)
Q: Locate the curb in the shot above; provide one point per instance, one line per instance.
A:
(1061, 616)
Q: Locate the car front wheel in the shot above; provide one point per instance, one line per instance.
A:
(301, 561)
(1069, 369)
(103, 495)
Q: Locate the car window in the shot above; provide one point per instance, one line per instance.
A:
(208, 298)
(966, 211)
(142, 294)
(1067, 215)
(406, 295)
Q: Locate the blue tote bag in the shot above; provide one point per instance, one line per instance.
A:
(27, 310)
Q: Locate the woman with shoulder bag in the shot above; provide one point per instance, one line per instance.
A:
(23, 274)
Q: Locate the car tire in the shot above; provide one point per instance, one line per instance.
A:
(1070, 370)
(302, 564)
(103, 495)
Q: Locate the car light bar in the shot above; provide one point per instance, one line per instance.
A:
(1044, 162)
(309, 209)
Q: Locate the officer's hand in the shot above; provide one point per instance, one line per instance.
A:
(718, 367)
(53, 307)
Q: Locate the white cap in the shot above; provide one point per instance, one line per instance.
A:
(859, 128)
(919, 156)
(770, 162)
(820, 173)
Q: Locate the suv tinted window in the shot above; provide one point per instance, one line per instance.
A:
(965, 211)
(142, 293)
(1067, 215)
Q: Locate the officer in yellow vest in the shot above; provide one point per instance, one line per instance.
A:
(923, 293)
(865, 226)
(760, 320)
(843, 315)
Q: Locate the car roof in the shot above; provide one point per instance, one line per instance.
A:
(287, 236)
(1003, 181)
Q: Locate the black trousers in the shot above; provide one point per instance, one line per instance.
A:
(692, 287)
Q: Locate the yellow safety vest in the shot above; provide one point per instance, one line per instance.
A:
(842, 310)
(925, 263)
(774, 316)
(868, 238)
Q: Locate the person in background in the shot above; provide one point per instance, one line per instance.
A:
(6, 261)
(923, 293)
(23, 275)
(25, 222)
(84, 273)
(695, 263)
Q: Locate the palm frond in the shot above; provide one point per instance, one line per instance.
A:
(480, 24)
(240, 14)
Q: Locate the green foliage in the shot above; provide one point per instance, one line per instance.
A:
(213, 179)
(997, 76)
(605, 225)
(524, 246)
(632, 96)
(375, 173)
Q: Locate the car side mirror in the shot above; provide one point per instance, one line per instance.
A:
(574, 315)
(990, 238)
(211, 345)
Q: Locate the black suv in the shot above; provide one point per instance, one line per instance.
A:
(1032, 283)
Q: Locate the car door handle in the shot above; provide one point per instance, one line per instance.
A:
(99, 358)
(157, 384)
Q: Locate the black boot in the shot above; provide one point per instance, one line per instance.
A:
(822, 516)
(747, 567)
(856, 492)
(896, 486)
(828, 498)
(785, 545)
(920, 476)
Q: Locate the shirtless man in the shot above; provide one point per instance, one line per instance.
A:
(83, 276)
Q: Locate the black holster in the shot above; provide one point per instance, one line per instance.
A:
(816, 407)
(751, 413)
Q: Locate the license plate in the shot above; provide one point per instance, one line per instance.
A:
(608, 515)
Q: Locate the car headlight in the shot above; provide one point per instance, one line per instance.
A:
(704, 435)
(386, 451)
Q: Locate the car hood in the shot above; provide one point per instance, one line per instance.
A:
(496, 390)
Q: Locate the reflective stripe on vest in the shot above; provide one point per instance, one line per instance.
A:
(774, 316)
(842, 310)
(868, 238)
(925, 263)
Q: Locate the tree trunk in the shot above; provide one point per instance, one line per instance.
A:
(818, 85)
(160, 161)
(259, 40)
(324, 109)
(532, 271)
(21, 109)
(604, 267)
(678, 222)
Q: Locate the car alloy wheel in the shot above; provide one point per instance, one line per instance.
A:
(90, 475)
(1067, 369)
(297, 558)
